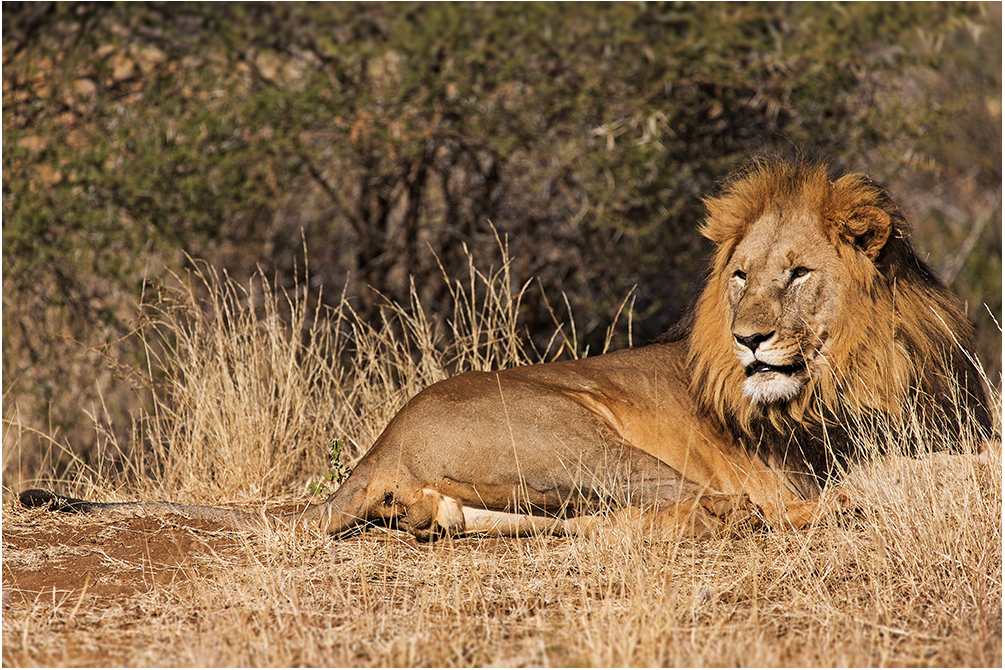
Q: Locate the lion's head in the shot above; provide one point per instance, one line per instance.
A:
(817, 309)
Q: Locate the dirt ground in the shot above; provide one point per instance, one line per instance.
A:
(89, 591)
(68, 561)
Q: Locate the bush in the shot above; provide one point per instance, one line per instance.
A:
(388, 136)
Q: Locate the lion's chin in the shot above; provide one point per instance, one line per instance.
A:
(765, 388)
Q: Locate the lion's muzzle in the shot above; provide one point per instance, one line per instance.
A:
(759, 367)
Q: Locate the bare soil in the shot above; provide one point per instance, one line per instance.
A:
(74, 566)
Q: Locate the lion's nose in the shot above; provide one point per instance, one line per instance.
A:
(753, 341)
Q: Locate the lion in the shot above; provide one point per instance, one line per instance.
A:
(818, 329)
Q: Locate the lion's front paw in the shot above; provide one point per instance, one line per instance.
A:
(719, 514)
(836, 503)
(706, 517)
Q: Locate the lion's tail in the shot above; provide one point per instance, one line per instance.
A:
(348, 507)
(229, 518)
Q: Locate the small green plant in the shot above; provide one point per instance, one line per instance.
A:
(338, 473)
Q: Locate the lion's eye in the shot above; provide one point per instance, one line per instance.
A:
(800, 271)
(740, 274)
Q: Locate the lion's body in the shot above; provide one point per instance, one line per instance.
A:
(561, 440)
(817, 323)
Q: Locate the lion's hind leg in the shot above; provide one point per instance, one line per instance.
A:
(432, 516)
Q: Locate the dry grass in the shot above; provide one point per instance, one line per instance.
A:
(245, 389)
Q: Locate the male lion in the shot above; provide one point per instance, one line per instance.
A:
(819, 329)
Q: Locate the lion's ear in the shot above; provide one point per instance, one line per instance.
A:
(864, 225)
(868, 228)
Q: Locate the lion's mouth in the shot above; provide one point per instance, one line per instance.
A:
(760, 367)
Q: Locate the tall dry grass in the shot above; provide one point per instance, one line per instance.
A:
(247, 385)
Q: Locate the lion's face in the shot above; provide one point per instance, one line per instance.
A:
(818, 320)
(817, 307)
(784, 280)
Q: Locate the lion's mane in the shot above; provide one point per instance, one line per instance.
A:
(896, 355)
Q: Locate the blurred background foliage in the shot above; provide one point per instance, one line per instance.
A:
(382, 138)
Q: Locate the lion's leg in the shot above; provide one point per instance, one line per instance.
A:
(509, 524)
(434, 515)
(641, 489)
(699, 517)
(802, 513)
